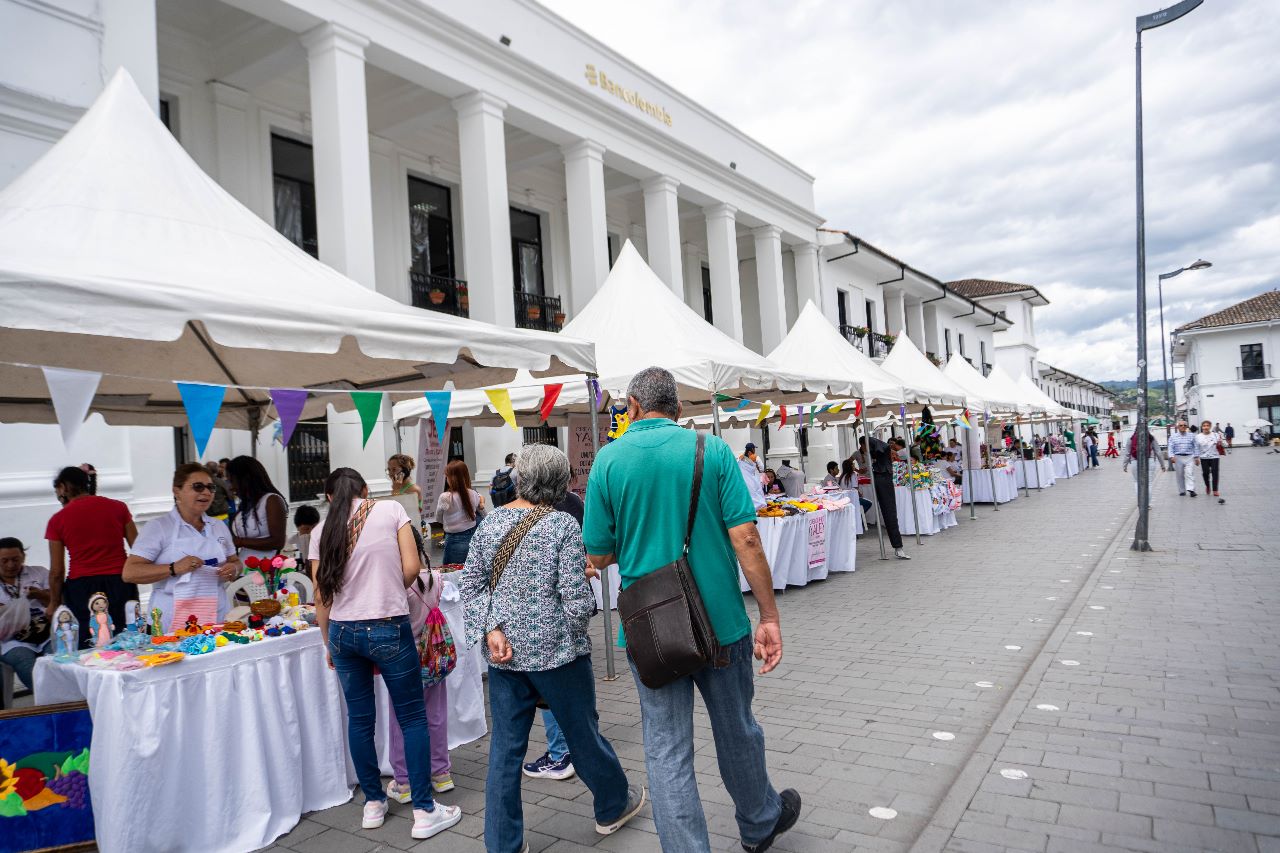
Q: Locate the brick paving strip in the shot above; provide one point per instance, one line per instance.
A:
(883, 664)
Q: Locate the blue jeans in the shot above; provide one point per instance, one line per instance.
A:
(1093, 455)
(356, 648)
(667, 719)
(23, 661)
(456, 546)
(557, 748)
(570, 690)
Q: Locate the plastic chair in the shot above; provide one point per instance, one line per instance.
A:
(305, 587)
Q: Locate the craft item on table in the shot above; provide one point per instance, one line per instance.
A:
(252, 634)
(220, 640)
(233, 627)
(197, 645)
(286, 630)
(66, 634)
(233, 638)
(130, 641)
(164, 639)
(300, 625)
(256, 621)
(265, 607)
(156, 618)
(101, 628)
(273, 631)
(293, 600)
(135, 621)
(191, 627)
(160, 658)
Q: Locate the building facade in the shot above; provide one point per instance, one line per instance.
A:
(488, 160)
(1227, 360)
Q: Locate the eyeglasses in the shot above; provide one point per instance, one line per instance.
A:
(203, 487)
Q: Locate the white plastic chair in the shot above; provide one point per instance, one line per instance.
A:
(303, 584)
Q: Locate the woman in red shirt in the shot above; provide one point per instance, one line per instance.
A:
(92, 530)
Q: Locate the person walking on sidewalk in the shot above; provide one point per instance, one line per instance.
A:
(644, 522)
(528, 600)
(1183, 453)
(1153, 453)
(1209, 450)
(1229, 434)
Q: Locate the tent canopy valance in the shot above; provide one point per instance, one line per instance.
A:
(914, 370)
(119, 255)
(979, 390)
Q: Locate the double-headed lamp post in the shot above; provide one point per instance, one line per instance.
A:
(1164, 369)
(1146, 22)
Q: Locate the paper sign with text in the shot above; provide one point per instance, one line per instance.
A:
(432, 454)
(817, 539)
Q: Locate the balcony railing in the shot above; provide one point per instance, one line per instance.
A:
(538, 312)
(933, 357)
(1254, 371)
(438, 293)
(1190, 383)
(986, 368)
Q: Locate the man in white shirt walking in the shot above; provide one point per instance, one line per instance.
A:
(1183, 453)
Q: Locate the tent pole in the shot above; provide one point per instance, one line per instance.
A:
(715, 409)
(875, 499)
(911, 480)
(1022, 460)
(609, 641)
(1036, 460)
(973, 512)
(991, 472)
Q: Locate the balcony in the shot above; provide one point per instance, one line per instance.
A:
(1191, 382)
(986, 368)
(1253, 371)
(438, 293)
(534, 311)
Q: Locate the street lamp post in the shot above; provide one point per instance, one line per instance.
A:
(1146, 22)
(1160, 279)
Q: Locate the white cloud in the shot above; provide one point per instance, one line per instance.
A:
(995, 139)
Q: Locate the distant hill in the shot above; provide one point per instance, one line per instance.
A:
(1126, 392)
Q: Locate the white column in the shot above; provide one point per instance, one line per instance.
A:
(932, 339)
(662, 224)
(486, 210)
(915, 319)
(340, 139)
(773, 301)
(231, 128)
(588, 231)
(808, 278)
(129, 40)
(722, 255)
(692, 269)
(895, 312)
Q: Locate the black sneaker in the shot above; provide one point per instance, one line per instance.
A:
(786, 820)
(1192, 493)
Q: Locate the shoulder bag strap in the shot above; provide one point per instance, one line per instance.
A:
(512, 541)
(697, 490)
(356, 525)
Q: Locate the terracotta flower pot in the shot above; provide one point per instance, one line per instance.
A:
(533, 312)
(436, 297)
(559, 316)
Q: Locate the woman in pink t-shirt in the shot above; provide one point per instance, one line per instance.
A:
(363, 557)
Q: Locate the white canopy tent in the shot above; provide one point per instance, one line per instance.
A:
(914, 370)
(1052, 408)
(636, 321)
(119, 255)
(1001, 383)
(979, 390)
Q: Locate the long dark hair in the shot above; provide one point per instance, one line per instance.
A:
(457, 479)
(251, 482)
(846, 473)
(341, 488)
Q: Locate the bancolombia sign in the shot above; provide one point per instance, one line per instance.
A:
(600, 79)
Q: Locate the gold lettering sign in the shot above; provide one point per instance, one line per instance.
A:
(631, 96)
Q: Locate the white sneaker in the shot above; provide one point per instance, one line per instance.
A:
(429, 823)
(375, 812)
(400, 793)
(900, 554)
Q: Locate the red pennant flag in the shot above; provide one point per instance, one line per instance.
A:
(857, 408)
(550, 393)
(784, 415)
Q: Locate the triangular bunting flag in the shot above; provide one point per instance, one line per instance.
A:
(812, 411)
(289, 403)
(723, 398)
(764, 412)
(742, 404)
(963, 420)
(439, 401)
(550, 393)
(202, 403)
(784, 416)
(500, 399)
(369, 405)
(597, 391)
(837, 407)
(72, 393)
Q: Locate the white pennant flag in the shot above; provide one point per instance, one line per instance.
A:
(71, 391)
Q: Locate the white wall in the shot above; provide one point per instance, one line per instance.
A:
(1214, 357)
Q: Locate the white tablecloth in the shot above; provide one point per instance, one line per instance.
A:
(1006, 485)
(786, 546)
(1027, 474)
(1060, 469)
(260, 727)
(929, 523)
(1073, 463)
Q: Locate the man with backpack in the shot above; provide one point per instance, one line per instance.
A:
(502, 489)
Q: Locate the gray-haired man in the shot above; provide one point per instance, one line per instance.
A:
(637, 508)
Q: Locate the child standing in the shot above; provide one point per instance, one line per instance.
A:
(424, 595)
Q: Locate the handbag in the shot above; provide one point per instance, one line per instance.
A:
(436, 650)
(668, 631)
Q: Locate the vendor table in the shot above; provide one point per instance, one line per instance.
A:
(1027, 474)
(1062, 466)
(1006, 485)
(929, 523)
(809, 546)
(224, 751)
(1073, 463)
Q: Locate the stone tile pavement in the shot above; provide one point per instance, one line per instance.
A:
(910, 686)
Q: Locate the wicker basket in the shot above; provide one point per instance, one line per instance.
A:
(266, 607)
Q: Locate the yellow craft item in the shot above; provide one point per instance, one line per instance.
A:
(221, 641)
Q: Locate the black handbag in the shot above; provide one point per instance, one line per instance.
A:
(668, 632)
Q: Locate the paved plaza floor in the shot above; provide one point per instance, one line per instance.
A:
(1026, 682)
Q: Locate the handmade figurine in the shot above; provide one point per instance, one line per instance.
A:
(156, 628)
(100, 624)
(193, 625)
(255, 621)
(133, 618)
(66, 634)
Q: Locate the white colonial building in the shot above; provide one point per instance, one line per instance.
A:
(1227, 359)
(486, 159)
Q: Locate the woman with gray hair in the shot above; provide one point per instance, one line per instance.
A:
(526, 593)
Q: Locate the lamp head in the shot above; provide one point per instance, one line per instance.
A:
(1200, 264)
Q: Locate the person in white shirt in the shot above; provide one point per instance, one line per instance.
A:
(1184, 453)
(953, 468)
(832, 480)
(791, 479)
(752, 475)
(1207, 443)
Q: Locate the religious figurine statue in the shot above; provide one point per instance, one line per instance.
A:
(100, 625)
(66, 634)
(157, 629)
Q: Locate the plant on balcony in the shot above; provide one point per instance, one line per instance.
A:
(888, 340)
(533, 311)
(559, 318)
(937, 362)
(858, 332)
(436, 295)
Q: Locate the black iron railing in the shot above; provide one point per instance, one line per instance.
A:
(534, 311)
(438, 293)
(986, 368)
(1254, 371)
(1190, 383)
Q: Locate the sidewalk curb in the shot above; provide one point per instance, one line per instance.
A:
(946, 817)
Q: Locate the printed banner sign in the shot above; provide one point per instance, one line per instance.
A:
(432, 455)
(817, 539)
(581, 453)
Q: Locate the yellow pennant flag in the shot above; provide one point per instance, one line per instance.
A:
(765, 408)
(500, 399)
(837, 407)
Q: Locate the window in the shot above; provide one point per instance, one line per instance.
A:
(1251, 366)
(457, 444)
(982, 351)
(431, 228)
(960, 339)
(295, 193)
(308, 460)
(1269, 410)
(842, 307)
(526, 251)
(871, 318)
(706, 295)
(541, 435)
(169, 114)
(946, 340)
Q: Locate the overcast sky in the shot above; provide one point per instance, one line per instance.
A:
(986, 139)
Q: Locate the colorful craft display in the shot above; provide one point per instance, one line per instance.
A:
(920, 478)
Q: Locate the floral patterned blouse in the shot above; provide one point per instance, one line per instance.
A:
(543, 601)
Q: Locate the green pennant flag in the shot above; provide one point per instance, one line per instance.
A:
(721, 398)
(369, 405)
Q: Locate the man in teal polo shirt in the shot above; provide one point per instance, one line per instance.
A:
(637, 507)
